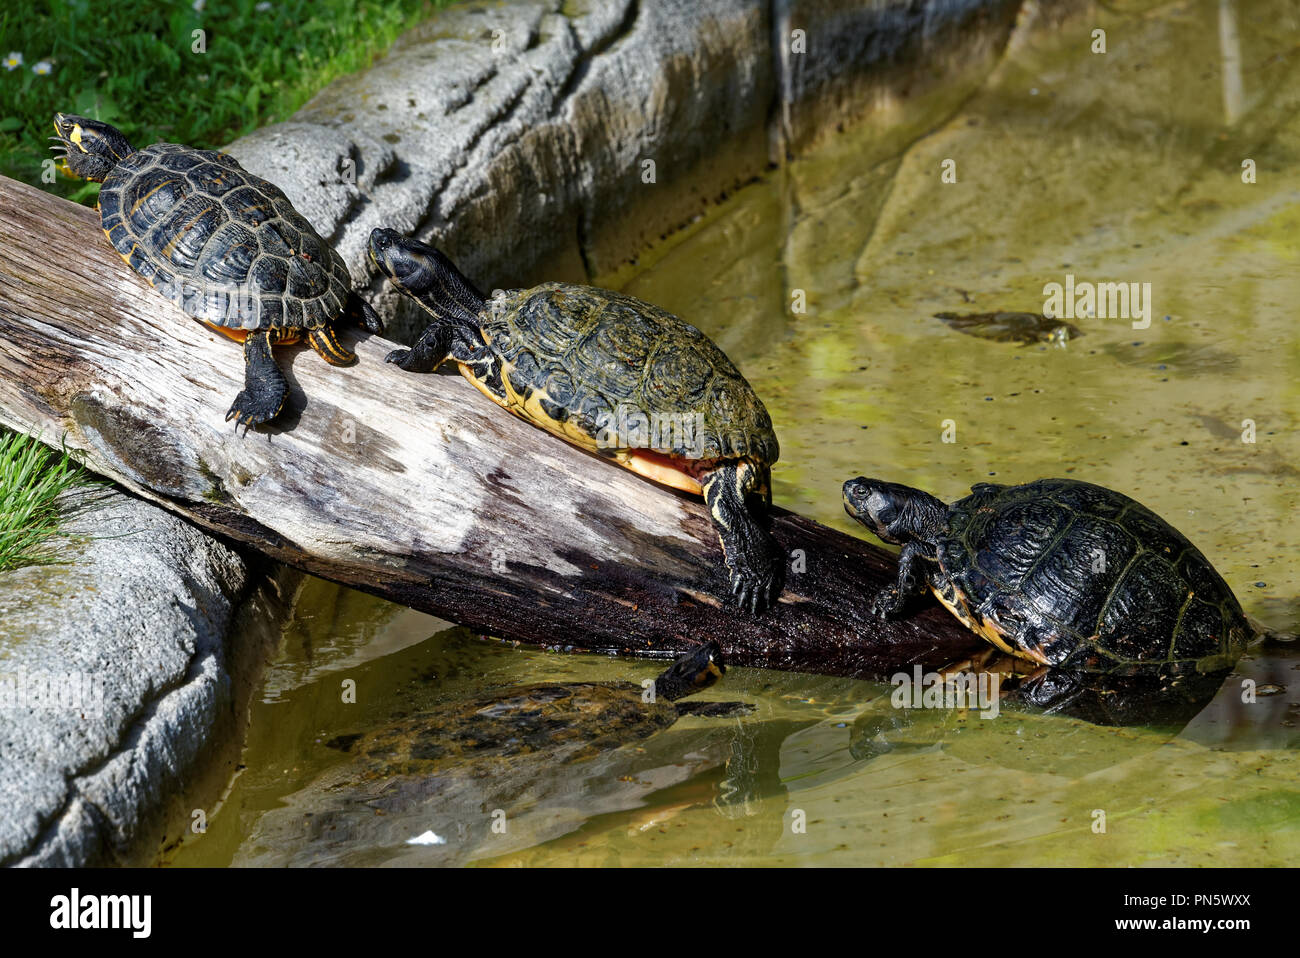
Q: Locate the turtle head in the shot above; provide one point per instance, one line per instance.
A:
(894, 513)
(91, 148)
(425, 274)
(410, 264)
(691, 673)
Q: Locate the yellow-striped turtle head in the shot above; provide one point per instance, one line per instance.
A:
(895, 513)
(425, 274)
(90, 148)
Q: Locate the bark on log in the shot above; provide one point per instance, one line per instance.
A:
(415, 488)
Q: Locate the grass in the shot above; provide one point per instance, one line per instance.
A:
(31, 477)
(134, 64)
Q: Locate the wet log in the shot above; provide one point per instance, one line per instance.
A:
(415, 488)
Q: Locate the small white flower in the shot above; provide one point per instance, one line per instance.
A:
(198, 5)
(43, 68)
(13, 61)
(263, 7)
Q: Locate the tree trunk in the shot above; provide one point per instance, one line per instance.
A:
(415, 488)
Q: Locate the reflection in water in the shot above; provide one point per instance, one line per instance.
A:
(1230, 46)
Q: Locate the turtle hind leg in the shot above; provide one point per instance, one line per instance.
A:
(265, 387)
(326, 342)
(753, 557)
(358, 311)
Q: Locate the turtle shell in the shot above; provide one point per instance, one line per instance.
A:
(620, 372)
(1076, 575)
(224, 245)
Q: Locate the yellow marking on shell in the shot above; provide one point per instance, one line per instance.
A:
(142, 200)
(531, 410)
(171, 243)
(644, 462)
(984, 628)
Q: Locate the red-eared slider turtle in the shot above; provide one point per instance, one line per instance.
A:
(1060, 572)
(225, 246)
(613, 375)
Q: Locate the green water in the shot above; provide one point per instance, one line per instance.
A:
(1117, 167)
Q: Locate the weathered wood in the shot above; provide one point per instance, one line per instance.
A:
(415, 488)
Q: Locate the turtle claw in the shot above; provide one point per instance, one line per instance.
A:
(250, 410)
(887, 603)
(754, 589)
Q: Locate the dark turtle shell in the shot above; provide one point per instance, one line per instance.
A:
(224, 245)
(1076, 575)
(568, 722)
(606, 362)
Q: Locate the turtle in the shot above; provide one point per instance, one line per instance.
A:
(1011, 327)
(1060, 572)
(224, 245)
(616, 376)
(539, 751)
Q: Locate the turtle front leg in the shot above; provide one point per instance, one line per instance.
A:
(889, 602)
(753, 556)
(429, 352)
(265, 388)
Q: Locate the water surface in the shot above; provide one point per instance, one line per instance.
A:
(1117, 167)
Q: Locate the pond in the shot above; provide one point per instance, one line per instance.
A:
(823, 281)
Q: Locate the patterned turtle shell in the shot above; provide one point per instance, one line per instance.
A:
(601, 362)
(1076, 575)
(224, 245)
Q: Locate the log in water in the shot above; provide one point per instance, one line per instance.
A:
(415, 488)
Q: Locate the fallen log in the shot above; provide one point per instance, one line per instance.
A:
(414, 488)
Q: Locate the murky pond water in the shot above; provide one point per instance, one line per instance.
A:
(822, 283)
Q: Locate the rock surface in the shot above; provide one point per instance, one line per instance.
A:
(841, 59)
(117, 685)
(591, 127)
